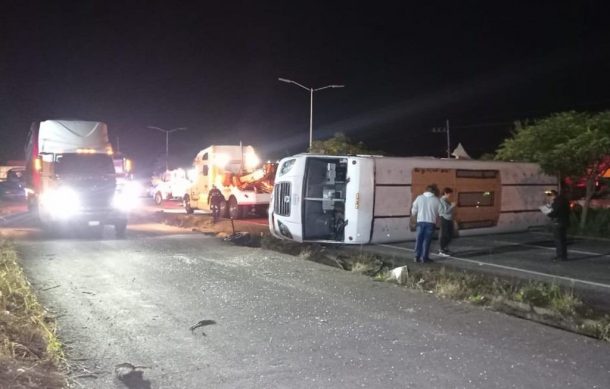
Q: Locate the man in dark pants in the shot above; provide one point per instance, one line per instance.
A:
(446, 217)
(214, 199)
(425, 209)
(560, 216)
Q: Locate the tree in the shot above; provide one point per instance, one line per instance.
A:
(339, 144)
(567, 144)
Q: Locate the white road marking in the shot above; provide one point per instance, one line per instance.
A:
(516, 269)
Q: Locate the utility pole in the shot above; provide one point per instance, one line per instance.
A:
(167, 132)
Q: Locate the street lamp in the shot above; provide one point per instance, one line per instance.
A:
(311, 90)
(167, 132)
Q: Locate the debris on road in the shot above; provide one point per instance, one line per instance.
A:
(202, 323)
(239, 238)
(399, 274)
(131, 376)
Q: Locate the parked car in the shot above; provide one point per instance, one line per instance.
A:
(172, 185)
(14, 187)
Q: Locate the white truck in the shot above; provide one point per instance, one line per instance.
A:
(70, 176)
(367, 199)
(173, 185)
(236, 171)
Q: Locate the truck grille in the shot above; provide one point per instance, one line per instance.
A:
(281, 199)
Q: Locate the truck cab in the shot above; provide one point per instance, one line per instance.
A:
(236, 171)
(71, 178)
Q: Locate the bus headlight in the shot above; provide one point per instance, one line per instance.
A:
(284, 230)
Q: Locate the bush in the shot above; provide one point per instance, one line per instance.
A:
(598, 222)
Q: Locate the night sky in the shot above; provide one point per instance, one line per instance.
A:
(214, 68)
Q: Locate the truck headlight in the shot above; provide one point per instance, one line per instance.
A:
(62, 202)
(127, 197)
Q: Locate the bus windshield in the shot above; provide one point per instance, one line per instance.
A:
(324, 199)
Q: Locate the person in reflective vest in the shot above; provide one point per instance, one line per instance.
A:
(215, 198)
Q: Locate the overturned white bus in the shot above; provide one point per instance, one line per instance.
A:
(367, 199)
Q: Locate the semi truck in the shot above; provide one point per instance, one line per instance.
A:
(367, 199)
(237, 172)
(71, 178)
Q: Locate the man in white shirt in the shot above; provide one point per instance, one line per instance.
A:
(426, 207)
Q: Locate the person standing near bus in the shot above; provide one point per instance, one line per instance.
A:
(560, 216)
(426, 209)
(446, 216)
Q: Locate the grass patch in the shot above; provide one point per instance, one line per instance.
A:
(539, 301)
(599, 328)
(30, 353)
(284, 246)
(364, 263)
(549, 296)
(382, 275)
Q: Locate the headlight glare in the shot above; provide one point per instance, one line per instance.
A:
(62, 202)
(127, 197)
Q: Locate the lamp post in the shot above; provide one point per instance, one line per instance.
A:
(310, 90)
(167, 132)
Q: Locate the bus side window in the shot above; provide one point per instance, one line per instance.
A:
(476, 199)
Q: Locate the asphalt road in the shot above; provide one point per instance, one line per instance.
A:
(275, 321)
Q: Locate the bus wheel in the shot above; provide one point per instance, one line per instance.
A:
(187, 205)
(234, 209)
(158, 198)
